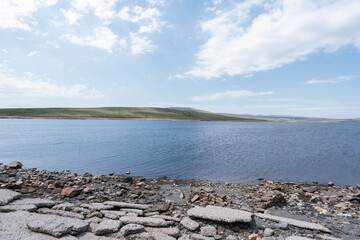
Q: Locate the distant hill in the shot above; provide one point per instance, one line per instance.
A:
(121, 113)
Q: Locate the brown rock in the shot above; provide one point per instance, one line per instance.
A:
(15, 165)
(87, 190)
(70, 192)
(331, 184)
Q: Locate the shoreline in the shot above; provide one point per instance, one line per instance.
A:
(278, 210)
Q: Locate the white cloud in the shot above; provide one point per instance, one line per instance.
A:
(241, 41)
(33, 53)
(103, 9)
(231, 94)
(4, 50)
(18, 14)
(156, 2)
(334, 80)
(35, 87)
(137, 13)
(140, 44)
(102, 38)
(71, 16)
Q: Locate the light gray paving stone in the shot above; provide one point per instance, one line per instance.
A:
(136, 211)
(38, 202)
(189, 224)
(97, 206)
(169, 218)
(293, 222)
(107, 226)
(146, 221)
(171, 231)
(12, 208)
(127, 205)
(117, 213)
(132, 229)
(220, 214)
(7, 196)
(61, 213)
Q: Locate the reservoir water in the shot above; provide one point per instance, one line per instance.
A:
(217, 151)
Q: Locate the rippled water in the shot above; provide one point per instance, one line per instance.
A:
(217, 151)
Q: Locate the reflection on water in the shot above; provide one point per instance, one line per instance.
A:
(216, 151)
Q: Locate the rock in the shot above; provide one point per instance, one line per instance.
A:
(189, 224)
(4, 177)
(331, 184)
(297, 238)
(64, 206)
(208, 231)
(253, 237)
(87, 190)
(15, 165)
(12, 208)
(127, 173)
(150, 236)
(220, 214)
(117, 213)
(61, 213)
(268, 232)
(293, 222)
(55, 225)
(146, 221)
(38, 202)
(7, 196)
(168, 218)
(107, 226)
(96, 206)
(127, 205)
(159, 207)
(276, 201)
(195, 198)
(283, 225)
(182, 195)
(70, 192)
(171, 231)
(194, 236)
(231, 237)
(132, 229)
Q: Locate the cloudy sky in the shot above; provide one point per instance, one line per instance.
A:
(271, 57)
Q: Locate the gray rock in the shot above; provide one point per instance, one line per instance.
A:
(297, 238)
(132, 229)
(268, 232)
(96, 206)
(61, 213)
(38, 202)
(283, 225)
(171, 231)
(231, 237)
(208, 231)
(66, 206)
(150, 236)
(7, 196)
(220, 214)
(12, 208)
(111, 216)
(293, 222)
(107, 226)
(194, 236)
(189, 224)
(168, 218)
(130, 210)
(146, 221)
(56, 225)
(127, 205)
(15, 165)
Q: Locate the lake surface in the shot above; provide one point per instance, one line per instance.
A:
(218, 151)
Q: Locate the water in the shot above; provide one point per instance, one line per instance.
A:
(218, 151)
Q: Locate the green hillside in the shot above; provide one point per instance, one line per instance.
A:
(122, 113)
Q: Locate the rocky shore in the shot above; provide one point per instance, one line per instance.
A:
(63, 205)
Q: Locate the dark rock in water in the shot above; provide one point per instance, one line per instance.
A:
(15, 165)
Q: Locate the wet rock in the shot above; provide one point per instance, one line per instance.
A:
(107, 226)
(220, 214)
(70, 192)
(146, 221)
(7, 196)
(189, 224)
(15, 165)
(132, 229)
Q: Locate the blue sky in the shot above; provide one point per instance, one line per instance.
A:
(279, 57)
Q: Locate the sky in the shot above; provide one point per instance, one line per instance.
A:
(261, 57)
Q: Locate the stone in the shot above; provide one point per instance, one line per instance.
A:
(15, 165)
(132, 229)
(171, 231)
(268, 232)
(331, 184)
(7, 196)
(159, 207)
(146, 221)
(38, 202)
(283, 225)
(293, 222)
(220, 214)
(189, 224)
(297, 238)
(56, 225)
(70, 192)
(168, 218)
(127, 205)
(195, 236)
(4, 177)
(64, 206)
(117, 213)
(253, 236)
(150, 236)
(12, 208)
(208, 231)
(107, 226)
(96, 206)
(61, 213)
(231, 237)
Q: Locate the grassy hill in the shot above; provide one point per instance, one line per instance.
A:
(121, 113)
